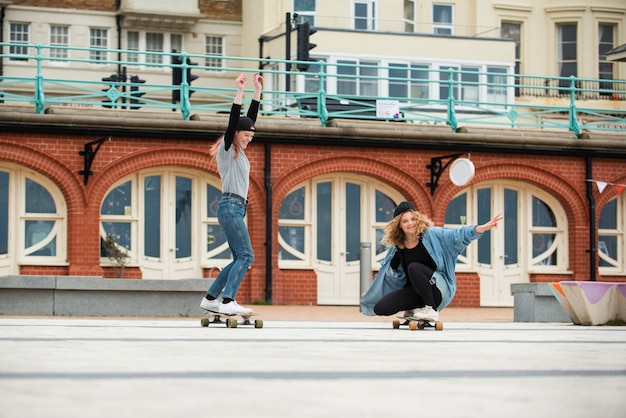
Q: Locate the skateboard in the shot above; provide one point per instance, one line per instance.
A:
(231, 320)
(415, 323)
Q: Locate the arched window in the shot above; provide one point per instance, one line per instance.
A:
(307, 213)
(33, 226)
(534, 220)
(165, 219)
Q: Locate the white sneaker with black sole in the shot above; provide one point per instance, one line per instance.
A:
(233, 308)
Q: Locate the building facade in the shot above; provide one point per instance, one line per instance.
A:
(74, 175)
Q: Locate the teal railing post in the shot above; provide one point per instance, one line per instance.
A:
(574, 126)
(451, 112)
(185, 104)
(40, 98)
(322, 111)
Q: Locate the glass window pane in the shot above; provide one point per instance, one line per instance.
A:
(152, 216)
(398, 85)
(346, 85)
(154, 43)
(117, 201)
(120, 231)
(132, 44)
(419, 81)
(384, 207)
(456, 212)
(183, 217)
(213, 196)
(442, 13)
(360, 15)
(542, 214)
(4, 212)
(368, 86)
(608, 217)
(293, 236)
(324, 220)
(353, 221)
(483, 197)
(607, 246)
(292, 207)
(304, 5)
(38, 199)
(510, 226)
(469, 86)
(215, 237)
(37, 231)
(311, 80)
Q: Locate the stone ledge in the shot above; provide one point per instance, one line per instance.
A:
(535, 302)
(72, 295)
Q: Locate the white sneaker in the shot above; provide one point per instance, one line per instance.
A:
(409, 313)
(233, 308)
(210, 305)
(427, 313)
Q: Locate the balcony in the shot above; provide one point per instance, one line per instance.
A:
(42, 76)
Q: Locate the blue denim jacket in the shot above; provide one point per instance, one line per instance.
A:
(444, 246)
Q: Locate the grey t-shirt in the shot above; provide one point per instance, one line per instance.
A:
(234, 172)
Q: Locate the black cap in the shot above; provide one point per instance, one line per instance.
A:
(245, 124)
(403, 207)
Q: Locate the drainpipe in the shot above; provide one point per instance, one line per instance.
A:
(593, 253)
(268, 223)
(2, 39)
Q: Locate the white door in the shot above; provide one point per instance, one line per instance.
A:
(168, 211)
(337, 215)
(499, 250)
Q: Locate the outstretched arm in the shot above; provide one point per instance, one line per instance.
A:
(241, 83)
(258, 86)
(493, 223)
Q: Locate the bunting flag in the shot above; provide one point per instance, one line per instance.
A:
(619, 188)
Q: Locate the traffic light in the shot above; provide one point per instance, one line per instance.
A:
(191, 77)
(112, 93)
(177, 76)
(134, 91)
(304, 45)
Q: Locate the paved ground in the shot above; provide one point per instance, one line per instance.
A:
(310, 362)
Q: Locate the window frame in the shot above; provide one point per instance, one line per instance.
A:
(619, 267)
(59, 55)
(13, 34)
(18, 218)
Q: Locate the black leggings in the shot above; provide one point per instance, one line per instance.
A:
(416, 294)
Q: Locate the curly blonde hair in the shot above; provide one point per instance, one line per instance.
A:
(395, 236)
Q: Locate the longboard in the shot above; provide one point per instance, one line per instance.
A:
(231, 320)
(415, 323)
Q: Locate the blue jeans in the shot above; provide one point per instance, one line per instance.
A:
(230, 214)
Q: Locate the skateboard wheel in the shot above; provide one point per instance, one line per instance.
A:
(231, 323)
(438, 326)
(412, 325)
(204, 322)
(395, 324)
(258, 323)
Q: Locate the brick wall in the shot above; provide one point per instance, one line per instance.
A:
(56, 156)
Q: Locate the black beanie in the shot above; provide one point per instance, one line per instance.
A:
(403, 207)
(245, 124)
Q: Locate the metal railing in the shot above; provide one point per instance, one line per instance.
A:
(145, 80)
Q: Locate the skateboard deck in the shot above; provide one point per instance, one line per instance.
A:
(415, 323)
(231, 320)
